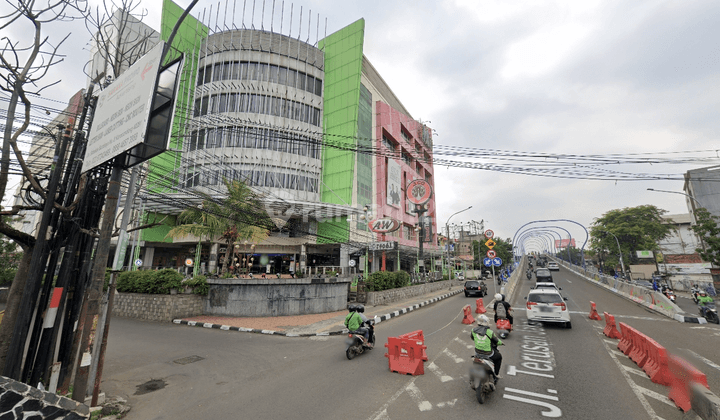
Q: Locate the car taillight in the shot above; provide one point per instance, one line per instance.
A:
(530, 304)
(562, 305)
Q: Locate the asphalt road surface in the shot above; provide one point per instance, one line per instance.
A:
(548, 371)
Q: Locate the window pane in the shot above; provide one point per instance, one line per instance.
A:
(252, 71)
(318, 87)
(300, 81)
(208, 73)
(235, 70)
(282, 75)
(291, 77)
(222, 107)
(263, 70)
(201, 77)
(244, 70)
(273, 73)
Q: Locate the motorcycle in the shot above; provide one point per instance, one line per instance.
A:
(504, 327)
(482, 377)
(529, 275)
(709, 312)
(356, 343)
(694, 293)
(669, 294)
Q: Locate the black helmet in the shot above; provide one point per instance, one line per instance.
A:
(360, 308)
(352, 308)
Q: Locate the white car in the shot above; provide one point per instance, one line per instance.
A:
(547, 285)
(553, 266)
(547, 305)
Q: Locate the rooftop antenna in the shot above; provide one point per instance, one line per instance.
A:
(300, 30)
(233, 15)
(243, 17)
(262, 21)
(272, 17)
(252, 18)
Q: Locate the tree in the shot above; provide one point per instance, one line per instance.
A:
(237, 217)
(503, 249)
(636, 228)
(709, 232)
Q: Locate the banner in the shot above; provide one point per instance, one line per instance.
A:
(563, 243)
(394, 173)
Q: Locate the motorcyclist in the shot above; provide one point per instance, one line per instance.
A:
(355, 320)
(499, 303)
(486, 343)
(704, 299)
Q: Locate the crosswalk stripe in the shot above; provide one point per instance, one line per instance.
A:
(417, 396)
(453, 356)
(656, 396)
(439, 373)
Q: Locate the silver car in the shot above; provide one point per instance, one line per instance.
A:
(547, 305)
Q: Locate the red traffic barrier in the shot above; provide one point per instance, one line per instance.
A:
(405, 356)
(610, 328)
(657, 366)
(480, 307)
(639, 352)
(593, 312)
(468, 318)
(682, 376)
(419, 338)
(625, 343)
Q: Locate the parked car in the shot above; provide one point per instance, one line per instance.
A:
(547, 305)
(543, 275)
(474, 287)
(552, 265)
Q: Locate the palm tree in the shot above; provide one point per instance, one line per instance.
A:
(238, 216)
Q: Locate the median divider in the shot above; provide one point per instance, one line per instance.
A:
(468, 318)
(610, 329)
(593, 312)
(683, 377)
(625, 343)
(657, 366)
(406, 353)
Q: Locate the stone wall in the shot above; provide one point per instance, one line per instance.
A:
(162, 308)
(386, 297)
(20, 401)
(4, 294)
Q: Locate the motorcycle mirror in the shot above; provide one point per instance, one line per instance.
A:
(564, 298)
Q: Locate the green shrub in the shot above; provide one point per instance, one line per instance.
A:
(151, 282)
(199, 283)
(165, 280)
(402, 279)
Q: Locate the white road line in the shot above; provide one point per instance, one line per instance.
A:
(464, 343)
(569, 281)
(657, 396)
(439, 373)
(707, 361)
(554, 411)
(635, 371)
(447, 403)
(532, 394)
(635, 388)
(417, 396)
(453, 356)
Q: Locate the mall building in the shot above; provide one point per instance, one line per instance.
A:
(313, 128)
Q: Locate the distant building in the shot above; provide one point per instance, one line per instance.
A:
(704, 185)
(680, 260)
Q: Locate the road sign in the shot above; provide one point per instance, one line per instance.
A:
(138, 262)
(488, 262)
(351, 263)
(489, 234)
(189, 262)
(418, 191)
(491, 253)
(490, 243)
(497, 262)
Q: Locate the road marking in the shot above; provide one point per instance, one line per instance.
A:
(707, 361)
(533, 394)
(417, 396)
(645, 318)
(439, 373)
(453, 356)
(635, 388)
(512, 371)
(657, 396)
(554, 411)
(635, 371)
(447, 403)
(464, 343)
(569, 281)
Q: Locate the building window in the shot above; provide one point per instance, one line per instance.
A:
(407, 158)
(247, 70)
(388, 143)
(405, 135)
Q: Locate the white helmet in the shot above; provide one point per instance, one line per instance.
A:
(498, 297)
(483, 320)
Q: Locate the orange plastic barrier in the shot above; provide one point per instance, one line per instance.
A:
(610, 328)
(480, 307)
(406, 356)
(682, 375)
(468, 319)
(625, 343)
(639, 352)
(419, 338)
(657, 364)
(593, 312)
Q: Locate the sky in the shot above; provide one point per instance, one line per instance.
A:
(555, 77)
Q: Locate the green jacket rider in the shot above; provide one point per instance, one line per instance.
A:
(486, 342)
(704, 298)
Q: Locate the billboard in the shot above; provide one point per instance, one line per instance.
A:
(563, 243)
(394, 174)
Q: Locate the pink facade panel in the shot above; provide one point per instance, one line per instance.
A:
(403, 157)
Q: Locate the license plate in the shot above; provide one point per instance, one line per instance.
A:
(545, 309)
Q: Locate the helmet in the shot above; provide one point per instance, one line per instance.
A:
(702, 293)
(360, 308)
(352, 308)
(498, 297)
(483, 320)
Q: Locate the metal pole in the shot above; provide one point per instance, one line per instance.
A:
(447, 230)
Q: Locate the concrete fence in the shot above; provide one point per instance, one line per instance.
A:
(20, 401)
(387, 297)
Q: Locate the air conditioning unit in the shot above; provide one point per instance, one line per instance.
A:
(222, 250)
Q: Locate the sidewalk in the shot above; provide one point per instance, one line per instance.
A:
(316, 324)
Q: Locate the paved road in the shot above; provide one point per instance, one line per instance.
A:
(548, 371)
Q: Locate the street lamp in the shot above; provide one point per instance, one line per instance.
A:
(447, 230)
(619, 250)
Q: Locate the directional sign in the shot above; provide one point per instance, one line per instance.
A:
(352, 263)
(488, 262)
(138, 262)
(491, 253)
(489, 234)
(497, 262)
(490, 243)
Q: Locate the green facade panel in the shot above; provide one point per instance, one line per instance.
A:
(158, 233)
(341, 98)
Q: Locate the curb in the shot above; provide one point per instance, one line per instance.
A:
(678, 317)
(377, 319)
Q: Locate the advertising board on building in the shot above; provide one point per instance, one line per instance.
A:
(382, 246)
(393, 183)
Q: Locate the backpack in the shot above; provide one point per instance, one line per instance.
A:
(500, 310)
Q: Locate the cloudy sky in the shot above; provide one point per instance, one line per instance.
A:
(557, 77)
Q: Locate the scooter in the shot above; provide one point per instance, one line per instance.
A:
(529, 275)
(356, 343)
(504, 327)
(670, 295)
(694, 293)
(482, 377)
(709, 312)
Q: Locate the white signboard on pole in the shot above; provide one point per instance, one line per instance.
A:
(394, 173)
(122, 112)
